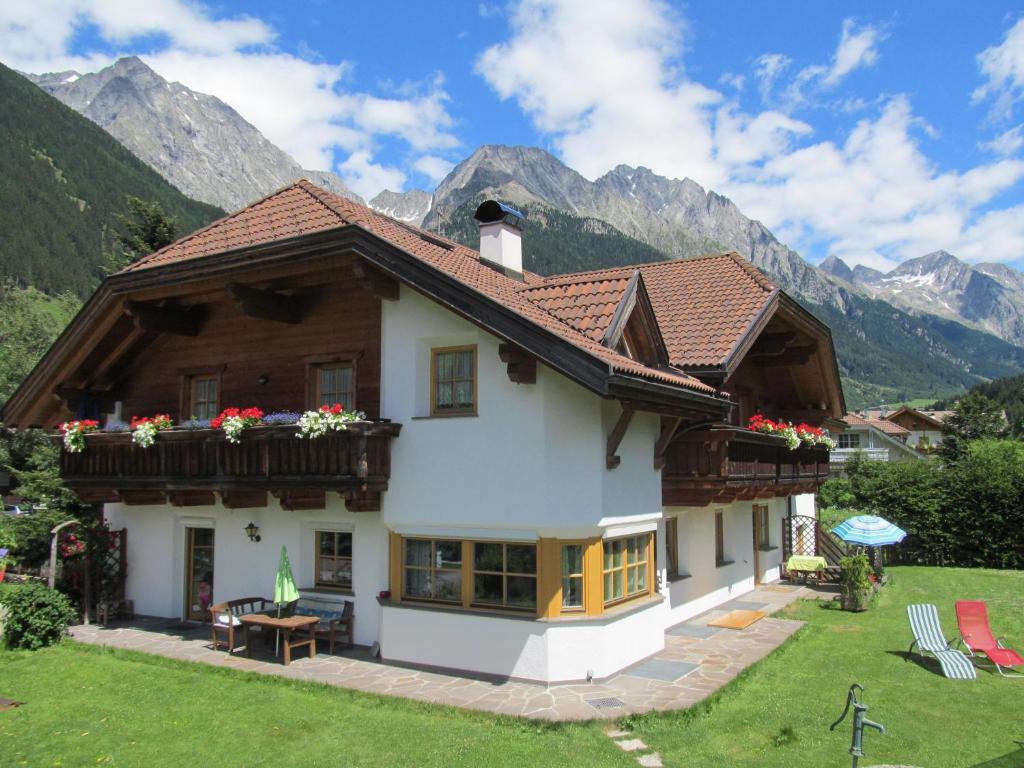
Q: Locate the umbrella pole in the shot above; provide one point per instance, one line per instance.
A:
(277, 633)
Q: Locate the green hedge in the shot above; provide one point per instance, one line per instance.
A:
(36, 616)
(968, 513)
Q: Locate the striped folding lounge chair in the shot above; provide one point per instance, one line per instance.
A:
(928, 637)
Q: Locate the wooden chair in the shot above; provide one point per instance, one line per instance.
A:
(224, 618)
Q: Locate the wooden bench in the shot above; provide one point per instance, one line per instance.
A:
(226, 617)
(335, 618)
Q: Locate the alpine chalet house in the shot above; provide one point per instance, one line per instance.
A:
(551, 471)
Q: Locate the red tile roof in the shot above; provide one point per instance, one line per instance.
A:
(303, 208)
(586, 305)
(882, 425)
(704, 305)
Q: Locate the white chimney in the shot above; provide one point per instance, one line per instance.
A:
(501, 236)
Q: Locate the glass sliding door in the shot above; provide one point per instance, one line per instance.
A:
(198, 573)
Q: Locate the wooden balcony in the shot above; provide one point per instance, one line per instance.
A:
(188, 467)
(724, 464)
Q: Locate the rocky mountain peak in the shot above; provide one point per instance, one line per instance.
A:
(836, 267)
(410, 206)
(197, 142)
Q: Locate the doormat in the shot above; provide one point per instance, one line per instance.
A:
(779, 588)
(737, 619)
(6, 704)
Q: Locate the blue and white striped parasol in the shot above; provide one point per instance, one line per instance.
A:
(870, 531)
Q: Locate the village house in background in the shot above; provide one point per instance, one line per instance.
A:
(551, 470)
(925, 427)
(875, 439)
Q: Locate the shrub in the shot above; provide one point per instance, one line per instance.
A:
(36, 616)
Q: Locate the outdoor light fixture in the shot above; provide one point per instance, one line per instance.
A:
(252, 531)
(263, 379)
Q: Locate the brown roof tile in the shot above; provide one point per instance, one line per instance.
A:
(882, 425)
(704, 305)
(303, 208)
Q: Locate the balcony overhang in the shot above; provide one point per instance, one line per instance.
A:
(188, 467)
(723, 464)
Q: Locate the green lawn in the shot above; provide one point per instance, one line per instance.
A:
(89, 706)
(778, 713)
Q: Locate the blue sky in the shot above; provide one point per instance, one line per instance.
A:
(873, 132)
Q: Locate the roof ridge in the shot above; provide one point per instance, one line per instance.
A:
(226, 217)
(747, 266)
(623, 273)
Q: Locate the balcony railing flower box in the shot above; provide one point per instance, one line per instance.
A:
(265, 458)
(725, 463)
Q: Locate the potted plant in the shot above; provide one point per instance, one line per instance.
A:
(854, 583)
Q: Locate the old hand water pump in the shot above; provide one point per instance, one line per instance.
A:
(859, 722)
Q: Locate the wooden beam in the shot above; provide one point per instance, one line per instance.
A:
(668, 431)
(301, 500)
(792, 356)
(134, 496)
(149, 317)
(239, 499)
(771, 344)
(615, 438)
(362, 500)
(521, 366)
(97, 495)
(265, 305)
(381, 285)
(191, 498)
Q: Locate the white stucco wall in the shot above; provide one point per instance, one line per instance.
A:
(521, 648)
(532, 460)
(707, 584)
(156, 554)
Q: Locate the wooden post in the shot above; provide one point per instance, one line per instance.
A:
(52, 581)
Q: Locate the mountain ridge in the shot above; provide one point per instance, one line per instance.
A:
(195, 141)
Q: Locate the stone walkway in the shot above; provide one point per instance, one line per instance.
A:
(697, 660)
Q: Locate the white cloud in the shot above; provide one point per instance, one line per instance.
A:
(1003, 68)
(608, 86)
(433, 167)
(857, 48)
(304, 105)
(1007, 143)
(368, 178)
(767, 69)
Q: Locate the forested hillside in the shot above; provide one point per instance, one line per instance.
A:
(63, 179)
(555, 242)
(1008, 392)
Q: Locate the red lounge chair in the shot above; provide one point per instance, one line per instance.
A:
(972, 619)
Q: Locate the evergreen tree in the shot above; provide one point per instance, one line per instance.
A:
(974, 417)
(146, 228)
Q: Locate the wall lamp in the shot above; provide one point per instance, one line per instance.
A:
(252, 531)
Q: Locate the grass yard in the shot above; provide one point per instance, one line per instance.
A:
(90, 706)
(778, 713)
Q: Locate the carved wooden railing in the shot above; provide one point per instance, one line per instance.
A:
(270, 458)
(728, 463)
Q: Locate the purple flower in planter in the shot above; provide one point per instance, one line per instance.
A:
(195, 424)
(3, 552)
(116, 426)
(282, 417)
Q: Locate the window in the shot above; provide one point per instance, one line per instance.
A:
(334, 559)
(672, 546)
(572, 576)
(453, 381)
(335, 384)
(720, 538)
(505, 575)
(849, 440)
(764, 530)
(202, 396)
(433, 570)
(625, 567)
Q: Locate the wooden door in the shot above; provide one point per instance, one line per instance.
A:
(198, 573)
(756, 528)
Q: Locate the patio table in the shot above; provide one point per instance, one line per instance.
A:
(806, 564)
(286, 625)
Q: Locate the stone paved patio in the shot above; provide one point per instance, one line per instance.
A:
(706, 660)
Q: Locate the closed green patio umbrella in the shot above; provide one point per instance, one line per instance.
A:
(285, 590)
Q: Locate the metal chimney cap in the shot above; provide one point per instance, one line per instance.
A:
(491, 211)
